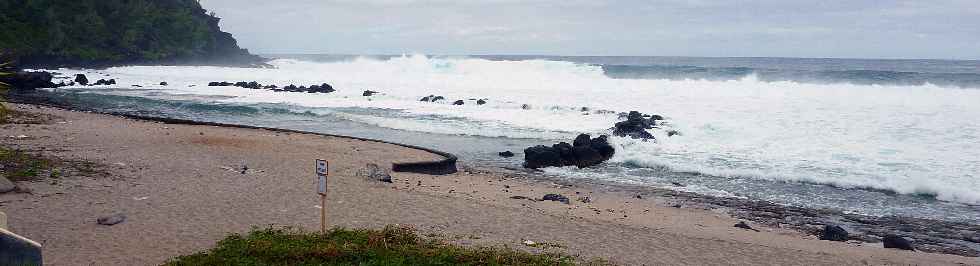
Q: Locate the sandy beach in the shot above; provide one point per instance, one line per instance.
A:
(182, 189)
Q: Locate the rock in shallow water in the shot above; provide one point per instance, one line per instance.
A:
(541, 156)
(506, 154)
(81, 79)
(219, 84)
(585, 152)
(636, 126)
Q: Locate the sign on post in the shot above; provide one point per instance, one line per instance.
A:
(321, 188)
(321, 177)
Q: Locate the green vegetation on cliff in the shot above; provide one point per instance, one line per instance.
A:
(85, 32)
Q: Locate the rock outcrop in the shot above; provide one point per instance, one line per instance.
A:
(585, 152)
(897, 242)
(81, 79)
(432, 98)
(636, 125)
(322, 88)
(111, 82)
(30, 80)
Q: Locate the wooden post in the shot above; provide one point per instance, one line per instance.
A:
(323, 213)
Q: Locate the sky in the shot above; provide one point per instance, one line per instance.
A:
(940, 29)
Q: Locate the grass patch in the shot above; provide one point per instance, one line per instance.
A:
(19, 117)
(390, 246)
(20, 166)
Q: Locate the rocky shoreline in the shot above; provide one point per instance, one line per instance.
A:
(926, 235)
(907, 233)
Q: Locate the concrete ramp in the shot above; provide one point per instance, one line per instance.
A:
(15, 249)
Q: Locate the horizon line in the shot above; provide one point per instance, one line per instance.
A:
(663, 56)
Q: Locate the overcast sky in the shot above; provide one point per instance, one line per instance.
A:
(946, 29)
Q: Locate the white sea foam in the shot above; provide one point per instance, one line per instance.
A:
(909, 139)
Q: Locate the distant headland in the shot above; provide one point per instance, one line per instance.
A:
(98, 33)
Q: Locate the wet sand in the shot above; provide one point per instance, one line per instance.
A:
(182, 189)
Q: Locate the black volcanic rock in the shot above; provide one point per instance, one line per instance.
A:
(481, 102)
(432, 98)
(897, 242)
(565, 153)
(582, 140)
(163, 83)
(636, 125)
(30, 80)
(556, 197)
(368, 93)
(833, 233)
(601, 144)
(585, 152)
(586, 156)
(105, 82)
(541, 156)
(219, 84)
(458, 102)
(322, 88)
(81, 79)
(506, 154)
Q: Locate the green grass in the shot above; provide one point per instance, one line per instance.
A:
(390, 246)
(20, 166)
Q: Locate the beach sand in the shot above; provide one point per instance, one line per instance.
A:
(182, 189)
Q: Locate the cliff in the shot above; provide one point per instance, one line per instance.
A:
(94, 33)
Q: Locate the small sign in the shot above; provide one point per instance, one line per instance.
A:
(321, 177)
(321, 167)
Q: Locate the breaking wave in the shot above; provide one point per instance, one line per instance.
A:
(890, 130)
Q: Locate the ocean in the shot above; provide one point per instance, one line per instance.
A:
(865, 136)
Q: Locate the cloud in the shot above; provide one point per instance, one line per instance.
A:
(861, 28)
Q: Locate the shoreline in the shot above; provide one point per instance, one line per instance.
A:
(930, 235)
(444, 166)
(934, 236)
(491, 193)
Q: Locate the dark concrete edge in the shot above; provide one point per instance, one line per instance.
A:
(439, 167)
